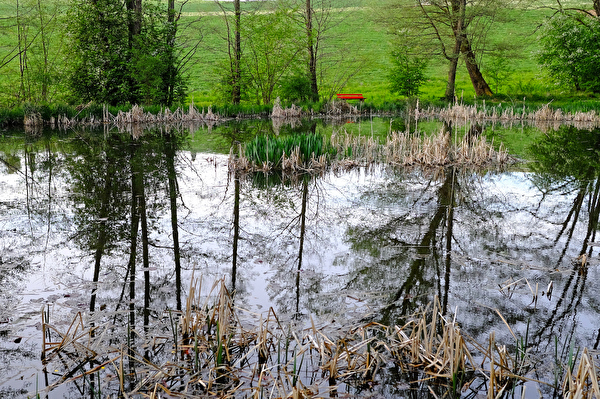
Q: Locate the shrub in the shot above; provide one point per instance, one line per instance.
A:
(571, 51)
(296, 88)
(408, 73)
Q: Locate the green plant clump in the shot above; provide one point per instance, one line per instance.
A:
(269, 150)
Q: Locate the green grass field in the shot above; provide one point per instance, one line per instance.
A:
(358, 42)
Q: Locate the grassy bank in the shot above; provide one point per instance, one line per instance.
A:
(364, 41)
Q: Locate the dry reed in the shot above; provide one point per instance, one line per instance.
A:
(345, 151)
(211, 352)
(136, 115)
(406, 149)
(544, 117)
(583, 383)
(340, 108)
(284, 113)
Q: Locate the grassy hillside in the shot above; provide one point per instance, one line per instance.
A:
(367, 42)
(357, 44)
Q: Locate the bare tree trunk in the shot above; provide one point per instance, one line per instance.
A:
(479, 84)
(134, 7)
(458, 18)
(237, 55)
(171, 70)
(22, 44)
(312, 57)
(449, 95)
(46, 67)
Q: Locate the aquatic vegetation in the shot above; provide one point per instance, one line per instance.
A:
(287, 152)
(91, 115)
(540, 116)
(216, 348)
(313, 152)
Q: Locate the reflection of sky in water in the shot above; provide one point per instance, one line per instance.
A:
(362, 242)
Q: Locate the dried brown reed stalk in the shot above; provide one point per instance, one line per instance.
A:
(459, 112)
(400, 149)
(442, 356)
(338, 108)
(408, 149)
(284, 113)
(584, 383)
(33, 119)
(212, 353)
(71, 338)
(238, 162)
(136, 115)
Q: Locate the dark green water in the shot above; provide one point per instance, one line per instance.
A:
(82, 211)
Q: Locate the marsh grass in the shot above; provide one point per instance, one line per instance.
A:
(312, 152)
(94, 115)
(292, 152)
(542, 117)
(583, 382)
(216, 348)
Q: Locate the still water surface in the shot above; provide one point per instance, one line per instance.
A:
(81, 211)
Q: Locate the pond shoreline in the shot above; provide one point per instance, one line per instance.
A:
(480, 109)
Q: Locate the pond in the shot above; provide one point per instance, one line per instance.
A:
(118, 227)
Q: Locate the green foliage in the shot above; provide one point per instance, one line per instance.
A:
(498, 71)
(269, 150)
(111, 64)
(100, 52)
(571, 51)
(271, 47)
(11, 116)
(407, 74)
(31, 51)
(296, 88)
(568, 153)
(224, 86)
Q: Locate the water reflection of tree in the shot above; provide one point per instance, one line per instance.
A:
(412, 249)
(293, 210)
(120, 186)
(568, 163)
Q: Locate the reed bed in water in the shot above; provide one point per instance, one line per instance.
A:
(136, 115)
(498, 113)
(213, 348)
(294, 152)
(314, 152)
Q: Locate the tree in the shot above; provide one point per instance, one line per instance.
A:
(233, 79)
(450, 28)
(237, 51)
(271, 48)
(125, 52)
(312, 46)
(327, 65)
(31, 48)
(408, 72)
(571, 49)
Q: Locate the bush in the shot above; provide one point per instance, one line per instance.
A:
(571, 51)
(296, 88)
(110, 65)
(408, 73)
